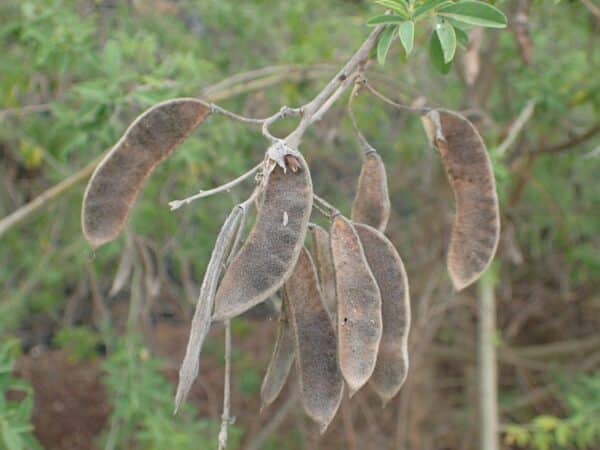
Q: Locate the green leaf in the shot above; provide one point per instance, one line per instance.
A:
(447, 37)
(475, 13)
(437, 56)
(429, 6)
(406, 33)
(401, 7)
(385, 19)
(461, 36)
(385, 41)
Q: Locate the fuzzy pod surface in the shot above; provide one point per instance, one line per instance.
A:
(372, 201)
(269, 254)
(321, 382)
(387, 267)
(476, 228)
(359, 321)
(119, 177)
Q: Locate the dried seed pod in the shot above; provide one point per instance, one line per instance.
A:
(281, 360)
(116, 182)
(268, 256)
(388, 269)
(201, 320)
(325, 269)
(372, 202)
(320, 379)
(359, 321)
(476, 228)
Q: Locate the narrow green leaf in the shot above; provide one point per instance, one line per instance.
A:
(437, 56)
(475, 13)
(406, 32)
(385, 19)
(447, 37)
(427, 7)
(385, 41)
(461, 36)
(397, 6)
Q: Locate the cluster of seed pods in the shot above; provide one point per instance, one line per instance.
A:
(345, 307)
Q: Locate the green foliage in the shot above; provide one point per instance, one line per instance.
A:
(79, 342)
(15, 415)
(142, 401)
(580, 428)
(450, 20)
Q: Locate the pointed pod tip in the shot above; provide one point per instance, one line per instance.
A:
(323, 427)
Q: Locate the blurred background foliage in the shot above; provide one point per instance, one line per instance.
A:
(108, 328)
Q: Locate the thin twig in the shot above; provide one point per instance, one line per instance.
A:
(396, 105)
(175, 204)
(46, 197)
(258, 441)
(332, 210)
(568, 145)
(366, 147)
(225, 419)
(516, 128)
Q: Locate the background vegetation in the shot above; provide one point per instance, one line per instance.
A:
(90, 343)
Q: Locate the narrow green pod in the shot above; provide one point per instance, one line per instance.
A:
(359, 321)
(269, 254)
(372, 202)
(388, 269)
(281, 360)
(316, 354)
(118, 179)
(476, 228)
(321, 251)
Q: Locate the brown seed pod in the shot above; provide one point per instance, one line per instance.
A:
(201, 320)
(116, 182)
(324, 262)
(372, 202)
(388, 269)
(320, 379)
(268, 256)
(476, 228)
(281, 360)
(359, 321)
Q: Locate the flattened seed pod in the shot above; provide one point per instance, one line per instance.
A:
(269, 254)
(325, 269)
(476, 228)
(320, 379)
(372, 202)
(116, 182)
(388, 269)
(359, 321)
(281, 360)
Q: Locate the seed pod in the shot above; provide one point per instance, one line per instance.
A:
(320, 379)
(325, 269)
(372, 202)
(201, 320)
(359, 321)
(388, 269)
(116, 182)
(476, 228)
(269, 254)
(281, 360)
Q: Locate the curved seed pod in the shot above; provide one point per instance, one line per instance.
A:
(325, 269)
(201, 320)
(321, 383)
(372, 202)
(281, 360)
(268, 256)
(359, 321)
(388, 269)
(116, 182)
(476, 228)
